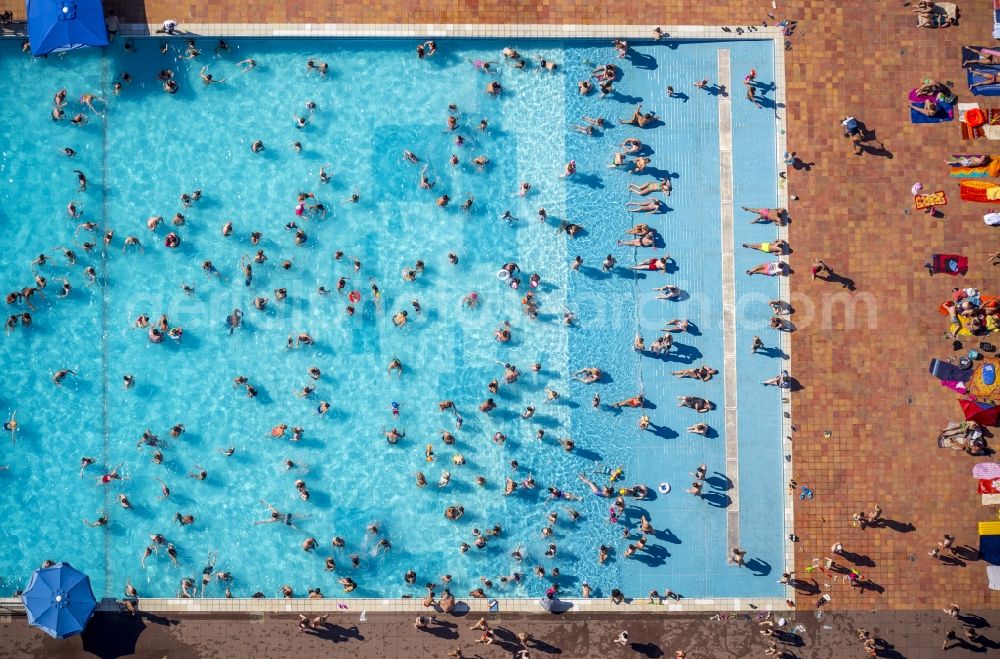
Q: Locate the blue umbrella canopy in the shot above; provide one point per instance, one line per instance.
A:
(59, 600)
(57, 25)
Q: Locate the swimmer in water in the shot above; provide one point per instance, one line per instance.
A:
(100, 521)
(59, 376)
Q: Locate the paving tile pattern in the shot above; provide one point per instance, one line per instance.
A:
(861, 357)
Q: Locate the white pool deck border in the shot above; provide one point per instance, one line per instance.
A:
(636, 605)
(455, 30)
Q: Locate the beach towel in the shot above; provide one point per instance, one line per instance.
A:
(990, 130)
(989, 470)
(922, 201)
(982, 90)
(989, 486)
(943, 115)
(993, 571)
(949, 264)
(989, 548)
(955, 385)
(920, 118)
(980, 191)
(943, 370)
(969, 56)
(945, 108)
(986, 171)
(990, 169)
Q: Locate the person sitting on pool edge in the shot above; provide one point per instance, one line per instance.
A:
(771, 269)
(775, 247)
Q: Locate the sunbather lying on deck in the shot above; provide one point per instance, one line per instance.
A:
(968, 161)
(930, 14)
(933, 87)
(988, 78)
(986, 57)
(928, 107)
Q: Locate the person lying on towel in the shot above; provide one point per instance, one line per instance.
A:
(986, 57)
(935, 88)
(968, 161)
(928, 108)
(988, 78)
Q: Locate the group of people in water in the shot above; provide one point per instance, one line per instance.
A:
(630, 154)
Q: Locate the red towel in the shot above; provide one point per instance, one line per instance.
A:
(949, 264)
(989, 486)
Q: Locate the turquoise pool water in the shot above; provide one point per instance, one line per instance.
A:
(146, 148)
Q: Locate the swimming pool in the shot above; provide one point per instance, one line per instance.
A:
(376, 100)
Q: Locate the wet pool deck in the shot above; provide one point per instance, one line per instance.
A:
(915, 635)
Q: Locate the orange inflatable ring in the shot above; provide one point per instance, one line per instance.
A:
(975, 117)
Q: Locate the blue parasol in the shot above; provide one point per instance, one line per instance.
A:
(59, 600)
(58, 25)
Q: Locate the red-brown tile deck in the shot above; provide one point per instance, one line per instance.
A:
(866, 383)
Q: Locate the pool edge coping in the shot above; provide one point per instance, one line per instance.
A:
(354, 606)
(451, 30)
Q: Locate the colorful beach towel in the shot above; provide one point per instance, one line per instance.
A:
(980, 191)
(922, 201)
(990, 130)
(990, 169)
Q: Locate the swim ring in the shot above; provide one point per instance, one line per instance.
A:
(502, 274)
(664, 487)
(354, 296)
